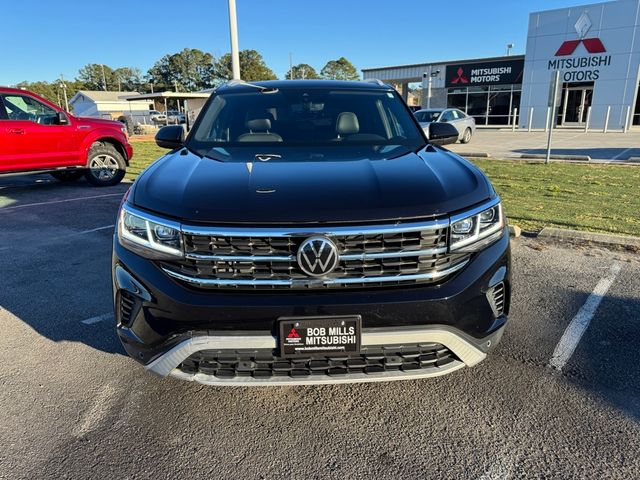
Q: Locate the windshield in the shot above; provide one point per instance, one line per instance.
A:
(428, 115)
(314, 118)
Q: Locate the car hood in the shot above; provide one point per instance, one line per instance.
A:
(99, 122)
(431, 183)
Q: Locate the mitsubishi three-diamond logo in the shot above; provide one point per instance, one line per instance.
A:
(592, 45)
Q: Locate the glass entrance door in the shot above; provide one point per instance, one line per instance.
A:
(576, 102)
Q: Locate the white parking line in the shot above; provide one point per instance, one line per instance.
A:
(572, 335)
(97, 319)
(75, 199)
(83, 232)
(622, 153)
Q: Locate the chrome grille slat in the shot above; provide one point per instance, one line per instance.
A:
(256, 258)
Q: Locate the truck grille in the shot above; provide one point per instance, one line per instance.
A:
(262, 364)
(370, 256)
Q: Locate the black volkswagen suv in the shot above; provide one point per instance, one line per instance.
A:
(307, 232)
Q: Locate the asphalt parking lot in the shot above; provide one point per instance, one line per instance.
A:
(503, 143)
(72, 405)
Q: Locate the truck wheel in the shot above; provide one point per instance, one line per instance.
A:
(466, 138)
(68, 175)
(105, 165)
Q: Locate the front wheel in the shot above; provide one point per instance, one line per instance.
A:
(105, 165)
(466, 137)
(68, 175)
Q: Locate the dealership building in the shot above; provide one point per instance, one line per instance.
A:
(595, 48)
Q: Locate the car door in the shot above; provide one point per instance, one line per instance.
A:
(33, 137)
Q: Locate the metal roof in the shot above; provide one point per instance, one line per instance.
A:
(178, 95)
(447, 62)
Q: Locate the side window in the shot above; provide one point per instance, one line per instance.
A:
(3, 112)
(446, 116)
(23, 107)
(460, 114)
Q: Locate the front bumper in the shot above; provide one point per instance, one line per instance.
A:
(466, 351)
(169, 322)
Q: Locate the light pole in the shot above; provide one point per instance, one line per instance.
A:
(509, 47)
(64, 91)
(429, 78)
(233, 30)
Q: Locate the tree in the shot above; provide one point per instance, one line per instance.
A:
(302, 71)
(128, 79)
(341, 69)
(52, 91)
(191, 69)
(252, 67)
(95, 76)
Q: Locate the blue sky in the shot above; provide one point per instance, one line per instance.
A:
(47, 38)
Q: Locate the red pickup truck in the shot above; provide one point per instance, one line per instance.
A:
(36, 136)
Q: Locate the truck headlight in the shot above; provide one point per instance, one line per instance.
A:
(477, 230)
(148, 235)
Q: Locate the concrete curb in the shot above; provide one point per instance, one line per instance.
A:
(605, 239)
(515, 231)
(541, 156)
(474, 154)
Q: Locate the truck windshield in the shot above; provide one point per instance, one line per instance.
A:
(323, 118)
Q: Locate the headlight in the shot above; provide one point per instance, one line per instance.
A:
(477, 230)
(148, 235)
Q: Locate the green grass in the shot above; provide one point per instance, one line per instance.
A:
(144, 153)
(597, 198)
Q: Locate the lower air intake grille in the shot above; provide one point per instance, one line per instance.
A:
(127, 307)
(498, 299)
(263, 364)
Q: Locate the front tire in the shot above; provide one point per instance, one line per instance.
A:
(68, 175)
(105, 165)
(466, 137)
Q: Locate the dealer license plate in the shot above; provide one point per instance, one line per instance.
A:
(301, 336)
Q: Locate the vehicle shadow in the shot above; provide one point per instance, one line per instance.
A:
(605, 361)
(55, 258)
(619, 154)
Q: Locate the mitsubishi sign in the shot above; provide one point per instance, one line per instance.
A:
(596, 51)
(581, 68)
(503, 72)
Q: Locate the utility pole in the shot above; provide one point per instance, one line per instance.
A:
(233, 31)
(104, 78)
(64, 92)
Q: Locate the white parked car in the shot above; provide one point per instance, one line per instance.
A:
(465, 124)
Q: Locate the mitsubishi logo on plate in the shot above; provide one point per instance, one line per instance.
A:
(582, 27)
(318, 256)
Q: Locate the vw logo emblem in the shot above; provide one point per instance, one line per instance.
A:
(318, 256)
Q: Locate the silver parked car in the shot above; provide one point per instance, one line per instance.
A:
(465, 124)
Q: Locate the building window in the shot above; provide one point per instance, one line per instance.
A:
(488, 105)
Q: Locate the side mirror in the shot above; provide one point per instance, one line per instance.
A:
(171, 136)
(62, 119)
(442, 133)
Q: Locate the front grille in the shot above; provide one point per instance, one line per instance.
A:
(372, 256)
(261, 364)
